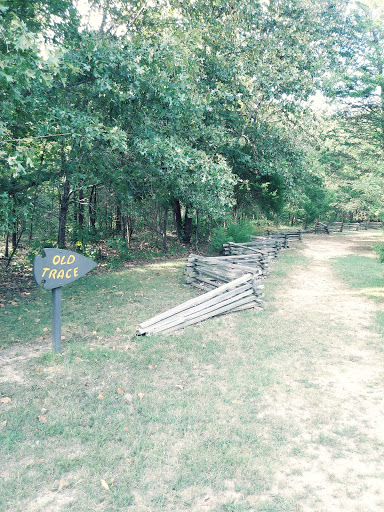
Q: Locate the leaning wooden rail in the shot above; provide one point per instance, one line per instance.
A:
(242, 293)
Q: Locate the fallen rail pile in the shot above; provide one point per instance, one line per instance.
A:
(239, 294)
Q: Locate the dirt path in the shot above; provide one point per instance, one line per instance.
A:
(332, 394)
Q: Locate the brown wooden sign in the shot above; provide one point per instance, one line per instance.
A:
(60, 267)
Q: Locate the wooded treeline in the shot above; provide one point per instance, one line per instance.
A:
(128, 116)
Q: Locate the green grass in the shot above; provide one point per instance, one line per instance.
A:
(158, 418)
(166, 421)
(363, 273)
(96, 305)
(366, 275)
(282, 267)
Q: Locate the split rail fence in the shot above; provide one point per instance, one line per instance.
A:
(340, 227)
(232, 282)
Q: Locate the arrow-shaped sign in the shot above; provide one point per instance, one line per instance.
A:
(59, 267)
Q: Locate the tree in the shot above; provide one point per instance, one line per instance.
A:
(261, 61)
(193, 106)
(354, 155)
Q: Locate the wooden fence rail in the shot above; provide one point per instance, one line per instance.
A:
(210, 272)
(242, 293)
(339, 227)
(234, 280)
(288, 234)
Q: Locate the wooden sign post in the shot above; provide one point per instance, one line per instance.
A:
(56, 269)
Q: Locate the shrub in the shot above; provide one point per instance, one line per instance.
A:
(379, 249)
(218, 238)
(238, 232)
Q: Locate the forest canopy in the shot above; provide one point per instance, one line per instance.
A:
(125, 117)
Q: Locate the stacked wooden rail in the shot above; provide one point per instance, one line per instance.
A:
(288, 234)
(283, 238)
(320, 227)
(339, 227)
(335, 227)
(267, 251)
(318, 230)
(279, 242)
(241, 269)
(351, 226)
(374, 225)
(210, 272)
(242, 293)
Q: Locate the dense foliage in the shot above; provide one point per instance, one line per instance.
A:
(124, 116)
(353, 152)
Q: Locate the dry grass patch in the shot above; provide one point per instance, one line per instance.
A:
(277, 410)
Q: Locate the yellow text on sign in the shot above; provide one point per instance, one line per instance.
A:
(61, 259)
(55, 273)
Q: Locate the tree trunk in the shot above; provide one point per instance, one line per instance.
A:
(158, 226)
(92, 207)
(178, 220)
(164, 234)
(30, 236)
(14, 239)
(128, 222)
(14, 232)
(197, 229)
(123, 227)
(7, 246)
(187, 228)
(17, 241)
(81, 208)
(75, 208)
(118, 221)
(32, 216)
(64, 206)
(235, 211)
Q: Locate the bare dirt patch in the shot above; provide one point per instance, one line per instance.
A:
(17, 360)
(332, 398)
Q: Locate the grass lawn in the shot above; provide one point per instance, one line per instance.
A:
(366, 275)
(178, 422)
(119, 421)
